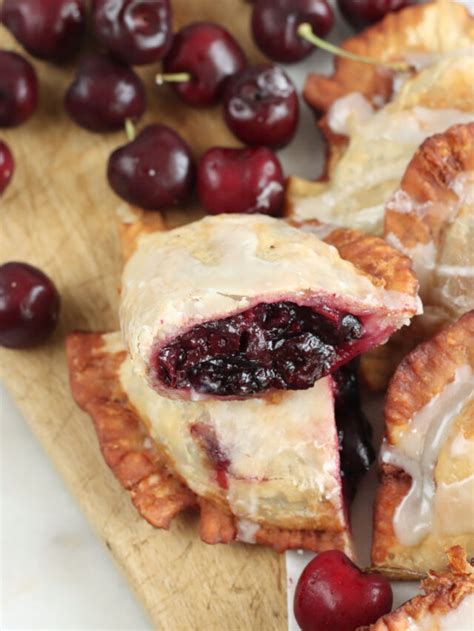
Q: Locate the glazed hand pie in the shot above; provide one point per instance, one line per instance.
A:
(446, 605)
(374, 123)
(237, 305)
(425, 499)
(261, 471)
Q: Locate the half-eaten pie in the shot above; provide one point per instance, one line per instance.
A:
(425, 498)
(446, 605)
(374, 121)
(235, 305)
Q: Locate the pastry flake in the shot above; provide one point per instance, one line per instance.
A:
(161, 449)
(218, 297)
(447, 602)
(424, 502)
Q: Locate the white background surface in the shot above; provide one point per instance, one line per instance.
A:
(55, 575)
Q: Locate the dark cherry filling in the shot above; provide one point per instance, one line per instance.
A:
(354, 430)
(279, 345)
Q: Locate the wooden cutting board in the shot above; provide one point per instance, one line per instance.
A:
(60, 215)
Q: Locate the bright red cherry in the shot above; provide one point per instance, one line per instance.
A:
(207, 54)
(275, 24)
(49, 29)
(29, 305)
(153, 171)
(134, 31)
(361, 13)
(18, 89)
(104, 94)
(261, 106)
(240, 181)
(333, 593)
(7, 166)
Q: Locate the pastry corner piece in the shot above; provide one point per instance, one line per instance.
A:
(233, 306)
(259, 471)
(446, 605)
(424, 502)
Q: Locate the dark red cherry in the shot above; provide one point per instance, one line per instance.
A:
(333, 593)
(29, 305)
(49, 29)
(275, 24)
(361, 13)
(104, 94)
(210, 55)
(18, 89)
(154, 170)
(7, 166)
(261, 106)
(134, 31)
(240, 181)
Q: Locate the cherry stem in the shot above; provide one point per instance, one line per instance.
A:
(130, 129)
(306, 32)
(177, 77)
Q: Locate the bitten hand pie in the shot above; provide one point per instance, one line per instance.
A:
(425, 499)
(374, 122)
(238, 305)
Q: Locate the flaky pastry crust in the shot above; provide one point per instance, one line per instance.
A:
(421, 376)
(156, 489)
(444, 592)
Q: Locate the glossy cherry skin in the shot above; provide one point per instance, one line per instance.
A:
(333, 593)
(210, 55)
(275, 24)
(261, 106)
(104, 94)
(7, 166)
(134, 31)
(361, 13)
(153, 171)
(29, 305)
(240, 181)
(18, 89)
(48, 29)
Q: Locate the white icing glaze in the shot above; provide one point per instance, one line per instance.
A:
(459, 619)
(348, 111)
(417, 452)
(283, 452)
(247, 530)
(454, 505)
(225, 264)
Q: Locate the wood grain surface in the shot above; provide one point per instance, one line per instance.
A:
(60, 215)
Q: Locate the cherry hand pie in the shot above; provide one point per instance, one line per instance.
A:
(446, 605)
(235, 305)
(374, 121)
(425, 498)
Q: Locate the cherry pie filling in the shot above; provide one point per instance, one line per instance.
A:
(273, 345)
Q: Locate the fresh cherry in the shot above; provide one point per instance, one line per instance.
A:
(261, 106)
(240, 181)
(7, 166)
(275, 24)
(154, 170)
(361, 13)
(202, 57)
(29, 305)
(18, 89)
(104, 94)
(334, 594)
(134, 31)
(49, 29)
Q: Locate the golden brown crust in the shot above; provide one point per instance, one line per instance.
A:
(443, 593)
(428, 178)
(414, 29)
(133, 458)
(420, 376)
(140, 466)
